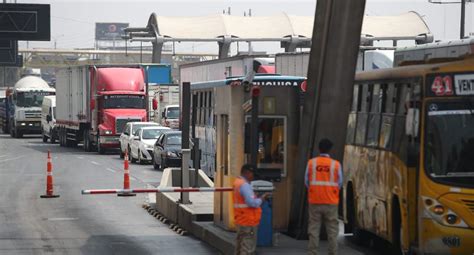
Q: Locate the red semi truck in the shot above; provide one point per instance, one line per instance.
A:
(94, 103)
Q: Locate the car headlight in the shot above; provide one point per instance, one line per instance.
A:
(442, 214)
(171, 154)
(23, 124)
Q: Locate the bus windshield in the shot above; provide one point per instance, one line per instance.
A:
(31, 99)
(124, 102)
(449, 143)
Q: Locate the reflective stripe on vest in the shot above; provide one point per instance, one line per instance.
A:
(331, 181)
(241, 206)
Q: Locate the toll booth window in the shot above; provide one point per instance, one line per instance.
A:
(271, 157)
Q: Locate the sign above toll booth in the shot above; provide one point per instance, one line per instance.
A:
(31, 22)
(110, 31)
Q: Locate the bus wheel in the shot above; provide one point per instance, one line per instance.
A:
(359, 236)
(396, 229)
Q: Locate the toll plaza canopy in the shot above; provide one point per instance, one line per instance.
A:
(291, 31)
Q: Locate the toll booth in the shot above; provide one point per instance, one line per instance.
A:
(279, 110)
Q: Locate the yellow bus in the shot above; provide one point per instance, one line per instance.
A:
(409, 157)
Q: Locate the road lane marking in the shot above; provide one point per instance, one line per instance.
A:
(2, 156)
(110, 170)
(95, 163)
(133, 178)
(8, 159)
(61, 219)
(79, 157)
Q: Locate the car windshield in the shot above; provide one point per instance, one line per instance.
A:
(173, 139)
(138, 126)
(31, 99)
(151, 133)
(172, 113)
(450, 141)
(124, 102)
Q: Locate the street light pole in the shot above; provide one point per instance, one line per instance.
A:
(463, 17)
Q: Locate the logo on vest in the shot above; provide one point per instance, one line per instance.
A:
(322, 169)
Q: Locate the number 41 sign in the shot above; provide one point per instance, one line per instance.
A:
(442, 85)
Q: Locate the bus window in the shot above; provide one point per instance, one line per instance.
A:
(374, 116)
(362, 116)
(399, 138)
(385, 139)
(351, 128)
(355, 99)
(391, 97)
(365, 98)
(361, 128)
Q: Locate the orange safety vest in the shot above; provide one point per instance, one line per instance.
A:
(243, 214)
(323, 177)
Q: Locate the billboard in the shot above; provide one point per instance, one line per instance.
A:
(25, 22)
(109, 31)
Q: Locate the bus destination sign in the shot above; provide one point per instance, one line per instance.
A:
(464, 84)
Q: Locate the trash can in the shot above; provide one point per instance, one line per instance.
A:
(265, 228)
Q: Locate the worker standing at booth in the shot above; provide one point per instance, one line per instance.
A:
(323, 178)
(247, 211)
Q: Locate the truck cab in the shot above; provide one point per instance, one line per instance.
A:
(48, 119)
(170, 116)
(24, 103)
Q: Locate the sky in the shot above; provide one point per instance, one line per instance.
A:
(73, 21)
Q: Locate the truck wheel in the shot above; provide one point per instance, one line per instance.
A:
(52, 140)
(18, 133)
(100, 149)
(87, 142)
(45, 138)
(12, 131)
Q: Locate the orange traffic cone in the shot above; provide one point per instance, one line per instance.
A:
(49, 179)
(126, 177)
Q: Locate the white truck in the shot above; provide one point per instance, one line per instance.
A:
(162, 96)
(23, 106)
(48, 119)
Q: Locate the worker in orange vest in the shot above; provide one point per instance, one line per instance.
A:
(247, 211)
(323, 178)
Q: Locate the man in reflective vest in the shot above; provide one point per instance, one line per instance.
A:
(323, 178)
(247, 211)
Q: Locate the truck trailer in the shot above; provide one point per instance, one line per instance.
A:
(94, 103)
(21, 111)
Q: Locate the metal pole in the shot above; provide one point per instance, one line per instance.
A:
(196, 154)
(184, 125)
(254, 131)
(463, 17)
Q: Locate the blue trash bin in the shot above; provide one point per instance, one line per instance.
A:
(265, 229)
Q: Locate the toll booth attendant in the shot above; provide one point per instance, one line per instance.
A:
(323, 178)
(247, 211)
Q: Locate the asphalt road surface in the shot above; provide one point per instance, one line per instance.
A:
(77, 224)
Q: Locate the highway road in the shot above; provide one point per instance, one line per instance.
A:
(77, 224)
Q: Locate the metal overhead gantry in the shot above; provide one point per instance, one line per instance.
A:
(291, 31)
(70, 57)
